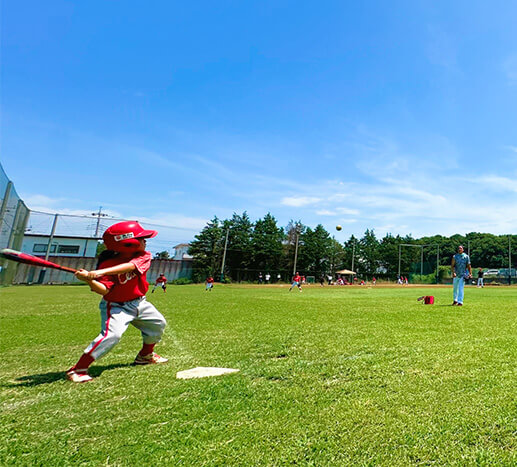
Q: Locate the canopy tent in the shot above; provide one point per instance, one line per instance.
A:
(345, 271)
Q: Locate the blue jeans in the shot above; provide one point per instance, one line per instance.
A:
(458, 284)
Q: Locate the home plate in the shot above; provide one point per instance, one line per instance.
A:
(203, 372)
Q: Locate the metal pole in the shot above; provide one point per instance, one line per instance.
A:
(468, 248)
(437, 263)
(422, 261)
(509, 260)
(53, 231)
(400, 248)
(3, 208)
(224, 254)
(16, 221)
(353, 256)
(333, 254)
(296, 253)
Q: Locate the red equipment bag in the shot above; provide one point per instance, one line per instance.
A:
(428, 300)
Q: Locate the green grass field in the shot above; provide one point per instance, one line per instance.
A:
(330, 376)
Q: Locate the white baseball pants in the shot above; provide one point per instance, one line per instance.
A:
(117, 316)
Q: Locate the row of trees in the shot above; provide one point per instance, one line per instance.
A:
(247, 248)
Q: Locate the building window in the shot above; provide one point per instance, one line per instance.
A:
(42, 248)
(70, 249)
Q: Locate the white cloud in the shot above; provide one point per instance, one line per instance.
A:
(497, 183)
(40, 202)
(352, 212)
(173, 221)
(299, 201)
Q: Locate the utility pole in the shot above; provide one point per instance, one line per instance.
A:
(49, 244)
(98, 215)
(224, 254)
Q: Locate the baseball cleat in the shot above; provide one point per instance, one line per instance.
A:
(150, 359)
(78, 377)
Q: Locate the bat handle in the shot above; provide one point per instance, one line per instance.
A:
(64, 268)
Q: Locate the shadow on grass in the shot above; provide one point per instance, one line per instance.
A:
(52, 377)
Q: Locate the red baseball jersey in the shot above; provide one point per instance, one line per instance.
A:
(210, 280)
(296, 278)
(130, 285)
(160, 279)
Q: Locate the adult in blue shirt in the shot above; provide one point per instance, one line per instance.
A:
(461, 270)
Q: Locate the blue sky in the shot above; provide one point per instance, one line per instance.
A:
(397, 116)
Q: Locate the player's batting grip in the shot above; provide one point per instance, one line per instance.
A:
(20, 257)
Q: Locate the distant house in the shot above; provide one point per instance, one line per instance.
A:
(181, 252)
(83, 247)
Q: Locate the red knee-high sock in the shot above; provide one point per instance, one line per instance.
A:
(83, 363)
(147, 349)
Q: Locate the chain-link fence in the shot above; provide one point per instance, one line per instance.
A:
(13, 220)
(75, 241)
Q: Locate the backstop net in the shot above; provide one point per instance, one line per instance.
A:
(14, 216)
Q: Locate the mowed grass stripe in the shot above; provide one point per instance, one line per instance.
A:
(329, 376)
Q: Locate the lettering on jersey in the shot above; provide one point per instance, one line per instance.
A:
(124, 278)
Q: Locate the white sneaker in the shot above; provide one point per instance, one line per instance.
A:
(151, 359)
(75, 377)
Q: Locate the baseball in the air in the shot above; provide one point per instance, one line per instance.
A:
(338, 227)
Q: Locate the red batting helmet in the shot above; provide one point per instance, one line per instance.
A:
(123, 236)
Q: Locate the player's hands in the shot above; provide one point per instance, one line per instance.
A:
(82, 275)
(453, 274)
(92, 275)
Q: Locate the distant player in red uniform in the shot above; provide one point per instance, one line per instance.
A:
(209, 284)
(161, 281)
(297, 282)
(120, 279)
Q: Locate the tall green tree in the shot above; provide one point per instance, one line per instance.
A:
(293, 235)
(316, 254)
(239, 254)
(266, 244)
(206, 250)
(350, 250)
(369, 253)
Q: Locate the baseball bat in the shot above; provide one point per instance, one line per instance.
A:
(20, 257)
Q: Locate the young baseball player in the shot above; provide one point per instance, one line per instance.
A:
(296, 282)
(120, 278)
(209, 284)
(161, 281)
